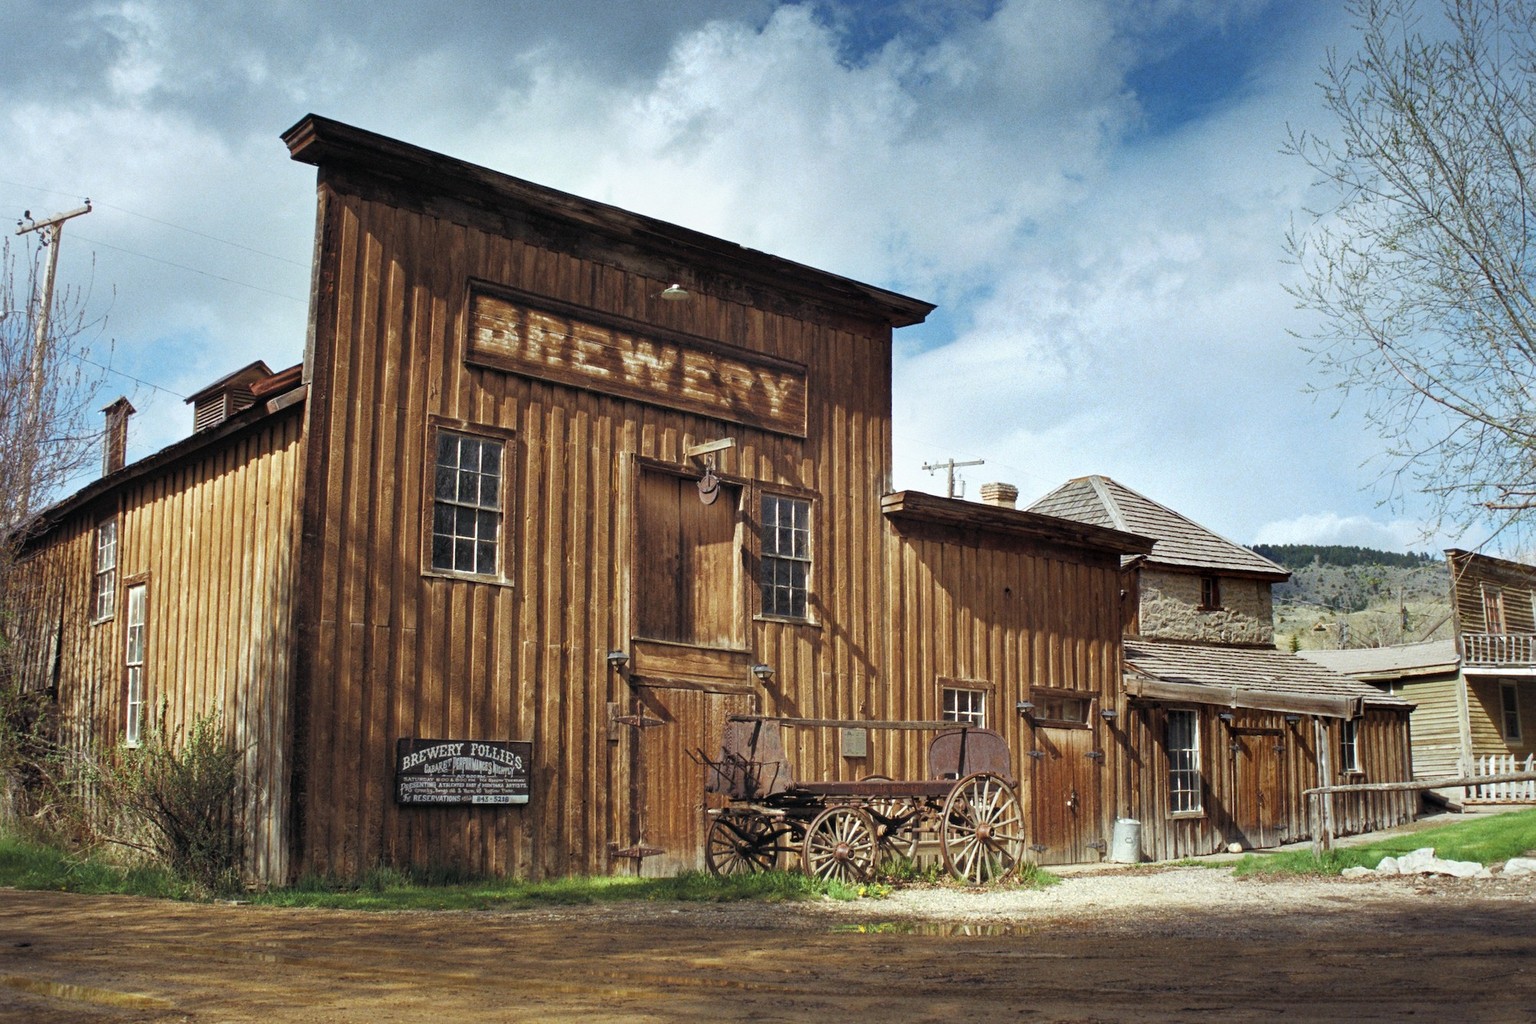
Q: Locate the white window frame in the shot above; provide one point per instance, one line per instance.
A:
(135, 635)
(1509, 712)
(784, 557)
(964, 705)
(464, 522)
(104, 579)
(1349, 746)
(1186, 788)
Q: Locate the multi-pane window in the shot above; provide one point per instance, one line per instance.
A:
(1349, 745)
(966, 706)
(133, 662)
(1210, 593)
(104, 587)
(1509, 710)
(786, 556)
(1060, 708)
(466, 504)
(1183, 761)
(1493, 609)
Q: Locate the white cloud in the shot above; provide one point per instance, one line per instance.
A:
(1364, 531)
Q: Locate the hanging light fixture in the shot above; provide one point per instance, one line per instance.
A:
(676, 293)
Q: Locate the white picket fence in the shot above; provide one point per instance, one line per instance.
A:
(1502, 792)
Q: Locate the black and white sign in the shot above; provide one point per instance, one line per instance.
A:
(461, 771)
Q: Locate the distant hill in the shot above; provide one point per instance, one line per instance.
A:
(1341, 596)
(1294, 556)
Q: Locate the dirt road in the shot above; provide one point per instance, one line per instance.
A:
(1166, 946)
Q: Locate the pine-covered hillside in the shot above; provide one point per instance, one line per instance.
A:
(1342, 596)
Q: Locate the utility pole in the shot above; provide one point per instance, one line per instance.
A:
(51, 230)
(951, 466)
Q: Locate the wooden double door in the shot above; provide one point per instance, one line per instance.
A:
(1065, 775)
(1259, 793)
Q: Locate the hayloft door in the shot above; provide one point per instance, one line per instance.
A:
(1067, 769)
(1258, 788)
(687, 585)
(689, 662)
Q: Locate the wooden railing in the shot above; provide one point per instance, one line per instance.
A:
(1496, 649)
(1503, 792)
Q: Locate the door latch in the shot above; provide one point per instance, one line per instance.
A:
(1095, 755)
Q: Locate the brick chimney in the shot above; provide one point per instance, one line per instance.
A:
(1000, 494)
(114, 449)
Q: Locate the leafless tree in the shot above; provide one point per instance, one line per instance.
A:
(48, 426)
(1421, 263)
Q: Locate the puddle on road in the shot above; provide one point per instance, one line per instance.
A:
(991, 929)
(84, 994)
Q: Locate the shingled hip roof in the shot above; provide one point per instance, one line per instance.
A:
(1180, 542)
(1238, 676)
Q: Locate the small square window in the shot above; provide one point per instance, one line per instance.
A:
(966, 706)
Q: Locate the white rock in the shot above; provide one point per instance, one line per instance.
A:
(1389, 866)
(1234, 847)
(1520, 866)
(1357, 872)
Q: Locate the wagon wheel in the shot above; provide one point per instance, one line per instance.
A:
(841, 845)
(896, 821)
(982, 830)
(741, 844)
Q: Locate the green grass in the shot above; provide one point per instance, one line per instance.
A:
(28, 865)
(1487, 840)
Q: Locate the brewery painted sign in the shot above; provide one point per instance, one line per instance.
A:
(461, 771)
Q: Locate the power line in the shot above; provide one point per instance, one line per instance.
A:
(194, 270)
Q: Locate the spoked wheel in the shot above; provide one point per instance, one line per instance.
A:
(896, 822)
(741, 844)
(841, 845)
(982, 830)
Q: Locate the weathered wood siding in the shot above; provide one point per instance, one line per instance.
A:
(393, 651)
(1256, 770)
(983, 611)
(212, 539)
(1437, 725)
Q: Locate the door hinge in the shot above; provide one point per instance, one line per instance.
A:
(1095, 755)
(635, 852)
(639, 721)
(1098, 844)
(1038, 847)
(1036, 754)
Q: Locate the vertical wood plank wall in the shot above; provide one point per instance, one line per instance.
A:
(1384, 753)
(1003, 616)
(213, 541)
(394, 652)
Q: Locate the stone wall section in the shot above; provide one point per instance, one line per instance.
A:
(1170, 608)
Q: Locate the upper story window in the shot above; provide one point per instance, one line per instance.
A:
(1183, 742)
(133, 664)
(467, 504)
(1493, 610)
(785, 556)
(1210, 593)
(965, 705)
(1349, 745)
(1509, 711)
(104, 584)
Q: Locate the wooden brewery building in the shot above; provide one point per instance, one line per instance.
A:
(557, 489)
(1221, 734)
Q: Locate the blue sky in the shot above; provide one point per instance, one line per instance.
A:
(1092, 191)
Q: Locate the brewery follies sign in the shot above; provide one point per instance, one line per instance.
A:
(461, 771)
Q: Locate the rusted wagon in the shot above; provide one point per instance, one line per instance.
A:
(841, 830)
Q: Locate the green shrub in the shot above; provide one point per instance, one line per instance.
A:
(179, 800)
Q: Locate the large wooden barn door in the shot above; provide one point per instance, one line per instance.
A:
(1259, 798)
(689, 664)
(687, 577)
(672, 802)
(1066, 793)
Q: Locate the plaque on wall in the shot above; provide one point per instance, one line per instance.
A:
(461, 771)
